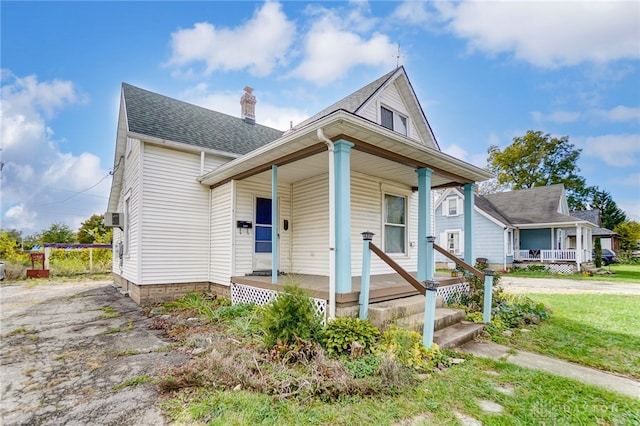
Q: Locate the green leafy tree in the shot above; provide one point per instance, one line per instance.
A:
(537, 159)
(8, 245)
(92, 230)
(630, 235)
(611, 215)
(58, 233)
(597, 248)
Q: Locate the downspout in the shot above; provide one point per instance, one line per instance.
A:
(201, 163)
(332, 226)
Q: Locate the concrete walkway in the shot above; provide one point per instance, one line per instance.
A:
(555, 366)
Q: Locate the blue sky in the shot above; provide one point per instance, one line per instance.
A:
(484, 72)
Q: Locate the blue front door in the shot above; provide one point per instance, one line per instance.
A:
(262, 243)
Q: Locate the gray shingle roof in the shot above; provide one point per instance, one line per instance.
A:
(530, 206)
(162, 117)
(352, 102)
(592, 216)
(485, 205)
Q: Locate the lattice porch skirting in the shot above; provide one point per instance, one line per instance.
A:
(453, 293)
(261, 296)
(554, 268)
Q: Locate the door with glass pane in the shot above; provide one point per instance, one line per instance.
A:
(262, 243)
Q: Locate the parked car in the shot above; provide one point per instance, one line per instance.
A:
(1, 270)
(608, 256)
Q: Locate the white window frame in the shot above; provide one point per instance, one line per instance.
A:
(510, 235)
(398, 118)
(460, 249)
(446, 206)
(405, 225)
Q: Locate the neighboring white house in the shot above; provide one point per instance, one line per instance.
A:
(204, 197)
(529, 225)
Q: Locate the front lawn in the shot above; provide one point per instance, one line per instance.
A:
(234, 379)
(620, 273)
(600, 331)
(527, 397)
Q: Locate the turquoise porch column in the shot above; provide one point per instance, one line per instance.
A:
(424, 221)
(342, 161)
(468, 223)
(274, 224)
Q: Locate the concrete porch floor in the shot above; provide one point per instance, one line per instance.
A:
(382, 287)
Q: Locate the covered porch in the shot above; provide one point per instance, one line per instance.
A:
(382, 287)
(328, 182)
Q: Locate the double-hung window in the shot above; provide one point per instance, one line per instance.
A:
(395, 224)
(453, 242)
(393, 120)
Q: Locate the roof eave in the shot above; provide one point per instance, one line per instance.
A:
(473, 173)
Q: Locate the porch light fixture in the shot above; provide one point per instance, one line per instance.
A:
(367, 235)
(431, 285)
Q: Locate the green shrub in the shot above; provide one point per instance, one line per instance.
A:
(342, 332)
(289, 317)
(406, 347)
(474, 301)
(363, 366)
(519, 310)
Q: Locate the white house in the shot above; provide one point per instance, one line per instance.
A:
(206, 200)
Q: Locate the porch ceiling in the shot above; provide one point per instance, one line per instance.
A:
(377, 152)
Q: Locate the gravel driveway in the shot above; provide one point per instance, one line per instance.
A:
(67, 351)
(564, 286)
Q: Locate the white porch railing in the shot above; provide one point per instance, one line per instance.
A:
(545, 255)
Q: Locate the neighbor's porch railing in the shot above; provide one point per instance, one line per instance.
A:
(428, 288)
(545, 255)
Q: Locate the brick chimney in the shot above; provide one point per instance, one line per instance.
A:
(248, 105)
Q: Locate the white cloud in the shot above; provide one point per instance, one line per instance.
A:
(619, 113)
(614, 150)
(332, 47)
(259, 45)
(456, 151)
(557, 116)
(413, 12)
(548, 34)
(40, 183)
(228, 102)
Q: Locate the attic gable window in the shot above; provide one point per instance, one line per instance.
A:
(452, 206)
(393, 120)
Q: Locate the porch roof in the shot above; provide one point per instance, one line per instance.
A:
(378, 151)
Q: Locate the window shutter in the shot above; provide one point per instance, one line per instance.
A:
(461, 243)
(460, 206)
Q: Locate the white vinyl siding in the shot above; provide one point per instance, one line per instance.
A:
(391, 99)
(131, 193)
(246, 194)
(175, 229)
(222, 234)
(310, 226)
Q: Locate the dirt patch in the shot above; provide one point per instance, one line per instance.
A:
(79, 353)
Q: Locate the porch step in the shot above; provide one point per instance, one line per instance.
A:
(457, 334)
(384, 314)
(444, 318)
